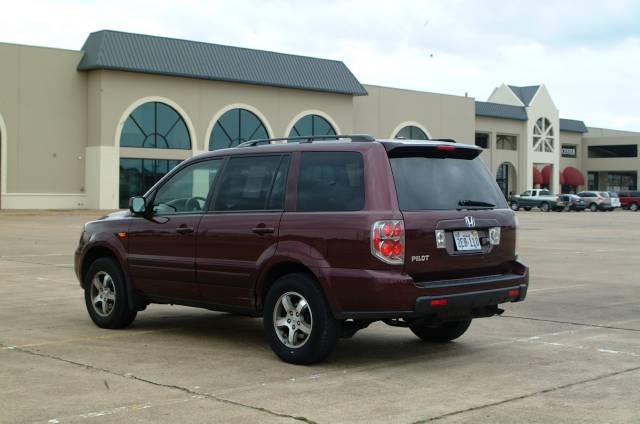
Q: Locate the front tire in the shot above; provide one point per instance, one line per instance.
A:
(298, 323)
(633, 207)
(544, 207)
(514, 206)
(105, 295)
(443, 333)
(593, 207)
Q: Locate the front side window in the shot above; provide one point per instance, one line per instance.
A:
(526, 193)
(331, 181)
(411, 132)
(155, 125)
(253, 183)
(234, 127)
(187, 191)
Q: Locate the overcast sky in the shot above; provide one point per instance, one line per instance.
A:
(586, 52)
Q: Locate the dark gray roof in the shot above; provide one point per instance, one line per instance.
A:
(497, 110)
(168, 56)
(525, 94)
(572, 125)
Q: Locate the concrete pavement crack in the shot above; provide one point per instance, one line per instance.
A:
(528, 395)
(35, 263)
(167, 386)
(571, 323)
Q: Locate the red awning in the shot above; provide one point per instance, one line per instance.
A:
(537, 176)
(562, 178)
(546, 175)
(572, 176)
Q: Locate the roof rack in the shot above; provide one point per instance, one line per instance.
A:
(308, 139)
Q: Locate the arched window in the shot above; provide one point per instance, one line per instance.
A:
(312, 125)
(234, 127)
(543, 136)
(411, 132)
(155, 125)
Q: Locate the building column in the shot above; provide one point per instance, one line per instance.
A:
(101, 175)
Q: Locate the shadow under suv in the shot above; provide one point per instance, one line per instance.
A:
(320, 237)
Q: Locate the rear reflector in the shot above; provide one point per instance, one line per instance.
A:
(439, 302)
(514, 292)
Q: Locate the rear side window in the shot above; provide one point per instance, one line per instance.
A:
(252, 183)
(424, 183)
(331, 181)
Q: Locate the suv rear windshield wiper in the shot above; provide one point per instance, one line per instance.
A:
(476, 203)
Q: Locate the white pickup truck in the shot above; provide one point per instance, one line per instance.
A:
(535, 198)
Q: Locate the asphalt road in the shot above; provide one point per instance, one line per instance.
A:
(569, 353)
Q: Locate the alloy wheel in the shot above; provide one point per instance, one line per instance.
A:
(103, 294)
(292, 319)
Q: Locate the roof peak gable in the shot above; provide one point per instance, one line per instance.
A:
(525, 93)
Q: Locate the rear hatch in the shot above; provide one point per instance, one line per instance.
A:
(457, 223)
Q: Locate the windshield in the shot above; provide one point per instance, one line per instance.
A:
(444, 183)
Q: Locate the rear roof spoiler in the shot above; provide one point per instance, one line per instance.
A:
(431, 149)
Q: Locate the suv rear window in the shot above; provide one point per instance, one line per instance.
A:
(424, 183)
(331, 181)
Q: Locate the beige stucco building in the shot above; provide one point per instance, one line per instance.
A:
(87, 129)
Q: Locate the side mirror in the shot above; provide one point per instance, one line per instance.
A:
(138, 205)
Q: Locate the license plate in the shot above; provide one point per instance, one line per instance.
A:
(467, 240)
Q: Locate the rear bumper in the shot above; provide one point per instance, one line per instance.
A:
(433, 298)
(425, 305)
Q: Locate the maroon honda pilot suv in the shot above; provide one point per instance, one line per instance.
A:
(320, 237)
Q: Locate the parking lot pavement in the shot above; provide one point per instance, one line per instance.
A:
(569, 353)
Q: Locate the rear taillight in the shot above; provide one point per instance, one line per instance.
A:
(387, 241)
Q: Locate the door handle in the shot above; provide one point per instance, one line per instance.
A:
(263, 230)
(184, 230)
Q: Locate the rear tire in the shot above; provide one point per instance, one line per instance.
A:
(442, 334)
(105, 295)
(593, 207)
(315, 330)
(527, 208)
(544, 207)
(633, 207)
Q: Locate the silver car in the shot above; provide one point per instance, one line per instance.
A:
(598, 200)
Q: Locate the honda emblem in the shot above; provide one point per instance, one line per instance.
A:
(470, 221)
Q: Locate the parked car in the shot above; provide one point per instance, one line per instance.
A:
(320, 238)
(569, 202)
(534, 198)
(629, 200)
(615, 200)
(597, 200)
